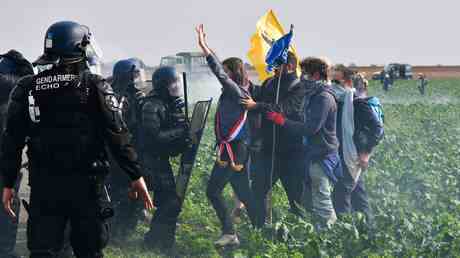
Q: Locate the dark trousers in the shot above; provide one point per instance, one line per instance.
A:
(347, 199)
(289, 170)
(8, 228)
(163, 226)
(239, 181)
(127, 212)
(56, 203)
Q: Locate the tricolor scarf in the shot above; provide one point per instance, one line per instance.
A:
(350, 153)
(225, 140)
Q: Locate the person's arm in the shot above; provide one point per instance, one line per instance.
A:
(117, 138)
(320, 106)
(257, 102)
(14, 137)
(216, 66)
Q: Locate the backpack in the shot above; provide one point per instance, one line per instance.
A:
(376, 107)
(377, 110)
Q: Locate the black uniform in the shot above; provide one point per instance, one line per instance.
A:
(289, 153)
(127, 212)
(164, 133)
(66, 119)
(12, 67)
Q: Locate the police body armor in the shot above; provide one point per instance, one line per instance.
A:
(130, 106)
(172, 122)
(63, 136)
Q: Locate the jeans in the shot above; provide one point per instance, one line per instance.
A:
(239, 181)
(348, 199)
(321, 190)
(289, 170)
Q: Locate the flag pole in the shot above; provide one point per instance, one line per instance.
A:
(272, 168)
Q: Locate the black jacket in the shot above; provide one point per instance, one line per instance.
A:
(164, 131)
(319, 126)
(291, 97)
(79, 117)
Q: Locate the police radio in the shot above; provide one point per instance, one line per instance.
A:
(34, 110)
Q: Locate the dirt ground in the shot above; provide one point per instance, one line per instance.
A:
(432, 72)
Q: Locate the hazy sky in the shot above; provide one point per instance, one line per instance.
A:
(359, 31)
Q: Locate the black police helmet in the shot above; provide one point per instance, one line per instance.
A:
(127, 66)
(163, 77)
(65, 40)
(14, 63)
(128, 74)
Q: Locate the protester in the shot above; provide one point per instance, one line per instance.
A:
(368, 134)
(232, 137)
(319, 137)
(360, 84)
(289, 165)
(422, 83)
(353, 113)
(387, 81)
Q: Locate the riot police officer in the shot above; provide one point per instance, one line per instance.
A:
(165, 133)
(128, 80)
(13, 66)
(67, 116)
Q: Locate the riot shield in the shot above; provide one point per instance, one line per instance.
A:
(197, 125)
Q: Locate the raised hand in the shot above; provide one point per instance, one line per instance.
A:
(202, 39)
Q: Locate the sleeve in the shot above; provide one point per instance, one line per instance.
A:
(263, 95)
(227, 83)
(14, 134)
(115, 131)
(292, 104)
(367, 123)
(320, 105)
(152, 117)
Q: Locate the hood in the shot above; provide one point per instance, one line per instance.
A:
(313, 88)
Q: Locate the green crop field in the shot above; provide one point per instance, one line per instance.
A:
(413, 181)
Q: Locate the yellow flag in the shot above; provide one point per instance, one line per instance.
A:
(268, 30)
